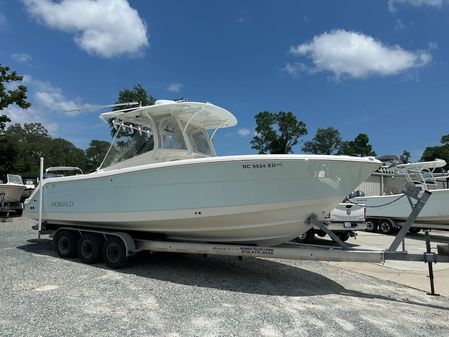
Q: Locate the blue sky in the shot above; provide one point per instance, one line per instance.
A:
(375, 67)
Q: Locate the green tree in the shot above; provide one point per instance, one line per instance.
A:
(61, 152)
(445, 139)
(277, 133)
(11, 96)
(95, 153)
(438, 152)
(358, 147)
(405, 157)
(136, 94)
(31, 141)
(326, 141)
(8, 157)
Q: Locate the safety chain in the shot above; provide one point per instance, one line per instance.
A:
(377, 206)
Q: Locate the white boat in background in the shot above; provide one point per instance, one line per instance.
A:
(61, 171)
(162, 176)
(12, 190)
(388, 210)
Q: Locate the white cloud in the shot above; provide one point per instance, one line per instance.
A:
(244, 132)
(49, 105)
(432, 45)
(52, 99)
(21, 57)
(295, 69)
(103, 27)
(32, 115)
(2, 20)
(175, 87)
(399, 25)
(415, 3)
(351, 54)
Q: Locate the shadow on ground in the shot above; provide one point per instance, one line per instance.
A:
(250, 275)
(433, 237)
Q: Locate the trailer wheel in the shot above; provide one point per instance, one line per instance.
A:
(386, 227)
(65, 242)
(89, 248)
(344, 236)
(306, 237)
(114, 252)
(414, 230)
(371, 226)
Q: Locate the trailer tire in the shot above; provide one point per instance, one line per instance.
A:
(386, 226)
(306, 237)
(371, 226)
(65, 243)
(414, 230)
(89, 248)
(344, 236)
(114, 252)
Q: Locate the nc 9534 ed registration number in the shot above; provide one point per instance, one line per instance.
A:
(262, 165)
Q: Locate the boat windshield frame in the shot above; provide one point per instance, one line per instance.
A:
(151, 126)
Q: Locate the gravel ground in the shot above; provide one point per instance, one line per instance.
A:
(189, 295)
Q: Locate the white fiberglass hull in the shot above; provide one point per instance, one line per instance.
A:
(12, 193)
(435, 211)
(260, 199)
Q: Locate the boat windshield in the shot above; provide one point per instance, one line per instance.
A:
(199, 139)
(130, 141)
(171, 134)
(15, 179)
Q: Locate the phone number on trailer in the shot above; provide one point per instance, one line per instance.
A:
(260, 166)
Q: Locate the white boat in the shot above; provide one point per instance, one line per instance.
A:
(397, 208)
(61, 171)
(161, 176)
(12, 190)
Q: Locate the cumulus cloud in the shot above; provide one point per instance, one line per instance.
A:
(51, 98)
(175, 87)
(103, 27)
(49, 105)
(244, 132)
(415, 3)
(21, 57)
(351, 54)
(32, 115)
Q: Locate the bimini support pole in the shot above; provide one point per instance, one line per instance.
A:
(41, 187)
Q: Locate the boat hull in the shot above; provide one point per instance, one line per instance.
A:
(12, 193)
(435, 211)
(258, 199)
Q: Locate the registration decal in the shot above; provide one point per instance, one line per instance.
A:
(261, 166)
